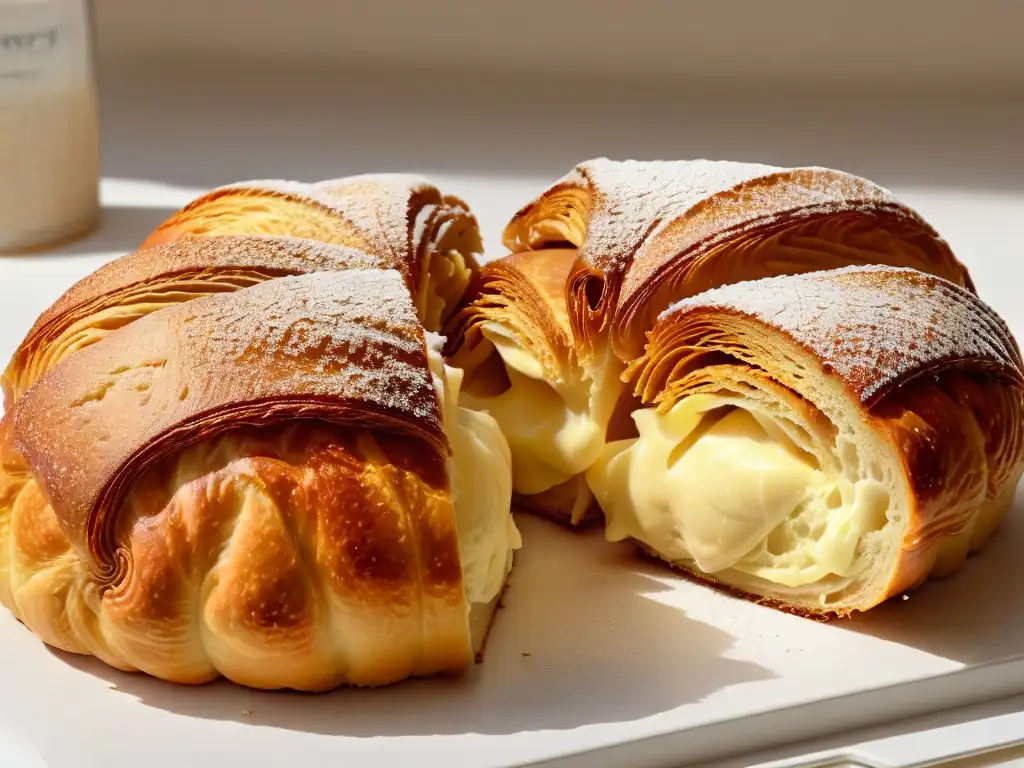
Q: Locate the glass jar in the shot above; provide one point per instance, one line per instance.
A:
(49, 124)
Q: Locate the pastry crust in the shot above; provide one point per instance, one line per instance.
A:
(150, 279)
(404, 221)
(524, 295)
(250, 484)
(230, 453)
(919, 381)
(646, 234)
(341, 347)
(528, 292)
(650, 233)
(242, 234)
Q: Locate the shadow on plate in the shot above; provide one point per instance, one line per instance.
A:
(974, 616)
(581, 640)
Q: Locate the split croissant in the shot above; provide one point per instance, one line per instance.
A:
(245, 450)
(237, 452)
(823, 460)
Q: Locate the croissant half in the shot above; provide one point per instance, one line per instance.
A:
(313, 511)
(274, 484)
(820, 441)
(549, 330)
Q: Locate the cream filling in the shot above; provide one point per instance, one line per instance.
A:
(732, 491)
(554, 433)
(481, 473)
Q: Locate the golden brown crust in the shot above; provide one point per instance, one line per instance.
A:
(303, 556)
(940, 382)
(289, 523)
(262, 207)
(403, 220)
(146, 280)
(248, 483)
(524, 293)
(959, 437)
(873, 328)
(274, 256)
(310, 545)
(404, 215)
(786, 244)
(266, 229)
(641, 226)
(338, 347)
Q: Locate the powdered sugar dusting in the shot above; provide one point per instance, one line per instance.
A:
(276, 255)
(346, 336)
(398, 216)
(375, 205)
(293, 189)
(353, 333)
(343, 347)
(872, 325)
(381, 205)
(634, 202)
(633, 198)
(278, 252)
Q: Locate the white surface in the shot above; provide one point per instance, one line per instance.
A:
(983, 736)
(619, 650)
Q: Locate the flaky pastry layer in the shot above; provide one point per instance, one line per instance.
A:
(146, 281)
(798, 445)
(641, 235)
(512, 340)
(643, 227)
(403, 221)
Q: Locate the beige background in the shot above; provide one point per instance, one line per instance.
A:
(965, 45)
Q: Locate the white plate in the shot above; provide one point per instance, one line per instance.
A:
(595, 650)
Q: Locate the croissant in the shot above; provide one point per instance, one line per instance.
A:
(387, 221)
(547, 331)
(241, 455)
(403, 220)
(820, 441)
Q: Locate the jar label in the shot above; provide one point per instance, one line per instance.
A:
(45, 42)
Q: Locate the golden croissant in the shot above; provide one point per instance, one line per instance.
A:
(246, 450)
(609, 411)
(238, 452)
